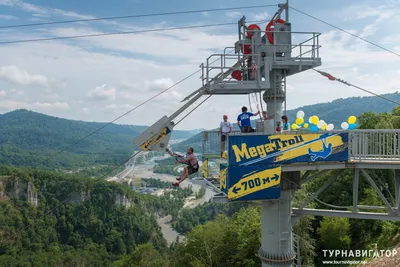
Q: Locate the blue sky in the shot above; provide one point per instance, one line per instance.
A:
(97, 79)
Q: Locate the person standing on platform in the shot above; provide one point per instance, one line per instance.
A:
(285, 124)
(225, 127)
(243, 120)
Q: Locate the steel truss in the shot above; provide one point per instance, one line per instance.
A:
(392, 212)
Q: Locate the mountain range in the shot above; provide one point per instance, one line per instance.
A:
(335, 112)
(28, 138)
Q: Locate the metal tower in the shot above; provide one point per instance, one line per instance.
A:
(266, 165)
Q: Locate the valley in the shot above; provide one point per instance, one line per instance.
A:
(135, 171)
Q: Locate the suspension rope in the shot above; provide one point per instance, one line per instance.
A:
(258, 106)
(251, 109)
(261, 104)
(184, 117)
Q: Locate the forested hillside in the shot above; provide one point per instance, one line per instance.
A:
(76, 221)
(334, 112)
(83, 222)
(28, 138)
(317, 233)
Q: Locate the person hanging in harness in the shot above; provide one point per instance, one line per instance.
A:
(243, 120)
(190, 160)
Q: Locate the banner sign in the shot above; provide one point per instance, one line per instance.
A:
(253, 183)
(272, 150)
(223, 170)
(204, 168)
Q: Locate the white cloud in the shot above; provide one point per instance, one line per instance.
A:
(125, 70)
(42, 11)
(103, 92)
(205, 14)
(17, 92)
(2, 93)
(234, 14)
(183, 44)
(11, 105)
(8, 17)
(22, 77)
(48, 106)
(261, 16)
(159, 84)
(8, 105)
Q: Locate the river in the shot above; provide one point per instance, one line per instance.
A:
(145, 170)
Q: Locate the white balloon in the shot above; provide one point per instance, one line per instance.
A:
(345, 125)
(309, 120)
(330, 127)
(300, 114)
(321, 124)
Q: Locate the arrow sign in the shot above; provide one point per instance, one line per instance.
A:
(253, 182)
(236, 190)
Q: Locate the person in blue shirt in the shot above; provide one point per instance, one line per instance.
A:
(285, 124)
(243, 120)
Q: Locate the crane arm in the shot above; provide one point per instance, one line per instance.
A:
(157, 136)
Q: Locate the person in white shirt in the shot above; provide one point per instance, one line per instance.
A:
(225, 127)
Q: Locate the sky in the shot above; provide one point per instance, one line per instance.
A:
(101, 78)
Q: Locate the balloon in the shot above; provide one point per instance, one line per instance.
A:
(323, 128)
(299, 121)
(345, 125)
(300, 114)
(305, 125)
(320, 124)
(313, 128)
(309, 120)
(314, 120)
(352, 126)
(352, 120)
(294, 126)
(330, 127)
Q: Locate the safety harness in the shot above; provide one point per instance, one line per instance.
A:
(180, 157)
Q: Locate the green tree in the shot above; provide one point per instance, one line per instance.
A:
(145, 255)
(334, 233)
(236, 243)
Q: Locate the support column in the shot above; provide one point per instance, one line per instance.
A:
(274, 98)
(276, 225)
(356, 180)
(276, 231)
(397, 190)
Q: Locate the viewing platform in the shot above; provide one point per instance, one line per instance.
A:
(282, 56)
(295, 157)
(369, 149)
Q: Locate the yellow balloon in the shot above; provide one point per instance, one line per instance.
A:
(299, 121)
(305, 125)
(352, 119)
(314, 120)
(324, 127)
(294, 126)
